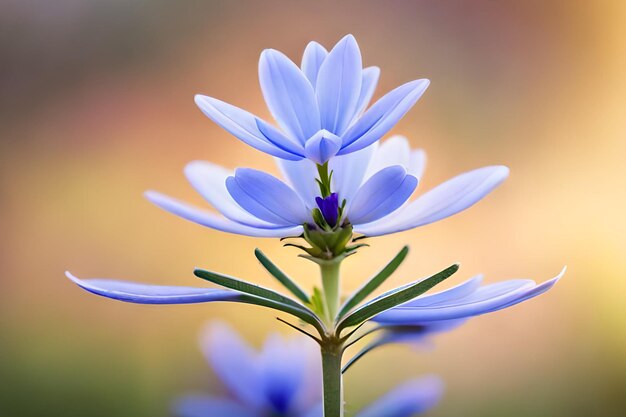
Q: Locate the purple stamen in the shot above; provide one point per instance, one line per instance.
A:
(329, 206)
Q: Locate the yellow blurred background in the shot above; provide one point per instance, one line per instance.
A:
(96, 107)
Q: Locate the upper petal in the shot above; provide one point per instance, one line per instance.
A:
(449, 198)
(314, 56)
(349, 171)
(395, 150)
(413, 397)
(322, 146)
(382, 194)
(289, 95)
(339, 85)
(245, 126)
(133, 292)
(266, 197)
(382, 116)
(368, 86)
(208, 219)
(301, 176)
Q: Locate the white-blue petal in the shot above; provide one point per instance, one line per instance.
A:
(413, 397)
(245, 126)
(301, 177)
(382, 116)
(381, 195)
(368, 86)
(204, 406)
(322, 146)
(266, 197)
(208, 219)
(289, 95)
(349, 171)
(339, 85)
(395, 150)
(312, 59)
(134, 292)
(449, 198)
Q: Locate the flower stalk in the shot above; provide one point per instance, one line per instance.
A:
(332, 351)
(331, 282)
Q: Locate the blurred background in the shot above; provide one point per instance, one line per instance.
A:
(97, 106)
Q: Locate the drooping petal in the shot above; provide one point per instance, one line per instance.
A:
(449, 198)
(368, 86)
(210, 182)
(245, 126)
(382, 194)
(349, 171)
(266, 197)
(289, 95)
(301, 177)
(133, 292)
(312, 59)
(208, 219)
(413, 397)
(339, 85)
(204, 406)
(485, 299)
(322, 146)
(235, 363)
(382, 116)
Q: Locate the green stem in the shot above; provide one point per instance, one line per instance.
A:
(330, 284)
(332, 378)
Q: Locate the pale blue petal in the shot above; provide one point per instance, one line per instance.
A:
(317, 411)
(266, 197)
(301, 177)
(533, 292)
(413, 397)
(382, 194)
(208, 219)
(204, 406)
(449, 198)
(395, 150)
(132, 292)
(339, 85)
(314, 55)
(289, 95)
(460, 291)
(235, 363)
(368, 86)
(349, 171)
(382, 116)
(417, 163)
(210, 182)
(322, 146)
(245, 126)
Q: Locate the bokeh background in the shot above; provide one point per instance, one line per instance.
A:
(96, 107)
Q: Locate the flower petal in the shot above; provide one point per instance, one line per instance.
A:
(267, 198)
(413, 397)
(314, 56)
(382, 116)
(393, 151)
(289, 95)
(368, 86)
(417, 163)
(235, 363)
(339, 85)
(349, 171)
(210, 182)
(133, 292)
(208, 219)
(382, 194)
(245, 126)
(322, 146)
(449, 198)
(204, 406)
(301, 177)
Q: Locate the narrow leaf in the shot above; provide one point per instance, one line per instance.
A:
(375, 282)
(281, 276)
(394, 298)
(262, 296)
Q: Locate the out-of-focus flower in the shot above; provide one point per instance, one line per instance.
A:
(319, 106)
(283, 379)
(372, 183)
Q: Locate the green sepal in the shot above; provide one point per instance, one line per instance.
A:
(317, 302)
(395, 297)
(375, 282)
(281, 276)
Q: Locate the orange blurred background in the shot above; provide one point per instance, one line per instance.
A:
(96, 107)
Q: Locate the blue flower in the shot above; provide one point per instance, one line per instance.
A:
(374, 183)
(283, 379)
(319, 106)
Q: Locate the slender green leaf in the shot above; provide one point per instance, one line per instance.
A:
(281, 276)
(262, 296)
(394, 298)
(375, 282)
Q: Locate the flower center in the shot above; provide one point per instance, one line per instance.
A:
(329, 207)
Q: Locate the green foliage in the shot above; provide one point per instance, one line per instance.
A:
(281, 276)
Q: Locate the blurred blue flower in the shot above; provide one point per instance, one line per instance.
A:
(319, 106)
(374, 182)
(283, 379)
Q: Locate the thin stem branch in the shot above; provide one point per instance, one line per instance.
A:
(304, 332)
(367, 333)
